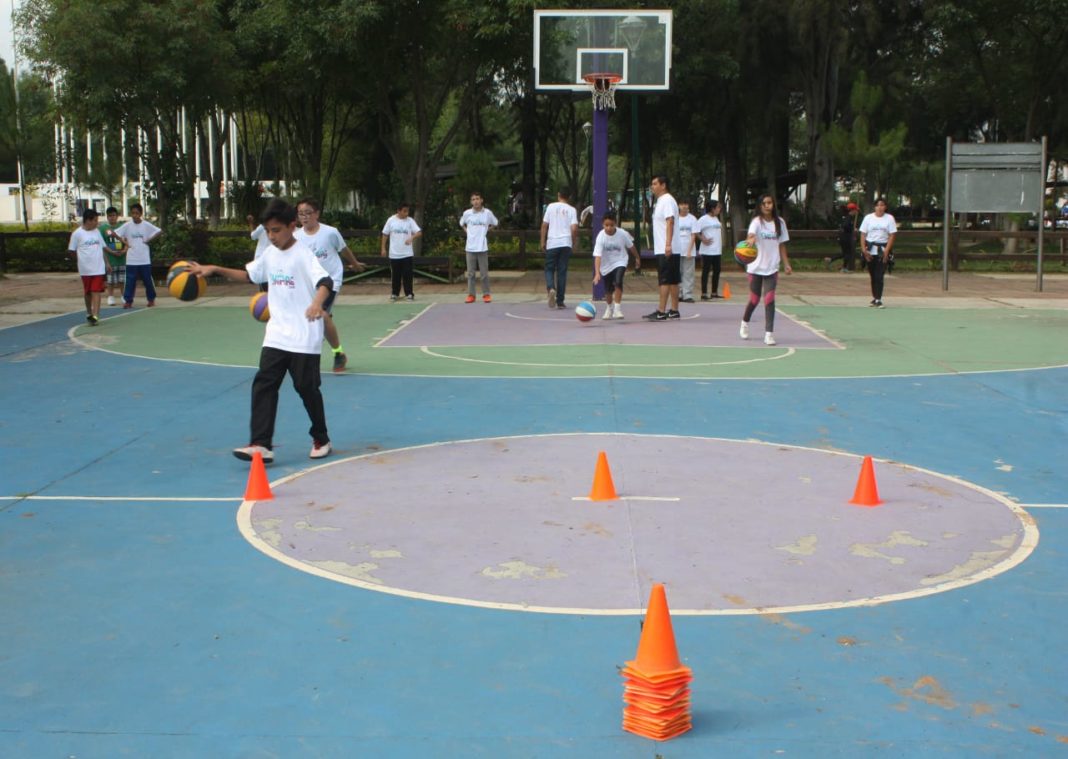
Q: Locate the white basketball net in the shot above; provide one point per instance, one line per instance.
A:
(604, 92)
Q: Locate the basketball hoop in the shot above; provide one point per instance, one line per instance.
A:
(603, 88)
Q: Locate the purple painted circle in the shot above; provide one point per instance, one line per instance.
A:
(729, 526)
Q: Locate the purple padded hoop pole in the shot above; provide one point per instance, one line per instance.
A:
(600, 183)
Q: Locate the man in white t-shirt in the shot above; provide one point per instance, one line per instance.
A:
(298, 286)
(710, 235)
(687, 232)
(88, 246)
(667, 249)
(877, 234)
(400, 231)
(477, 221)
(329, 247)
(613, 247)
(559, 238)
(138, 234)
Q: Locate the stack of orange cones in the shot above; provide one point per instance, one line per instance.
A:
(656, 688)
(866, 493)
(603, 488)
(726, 291)
(258, 489)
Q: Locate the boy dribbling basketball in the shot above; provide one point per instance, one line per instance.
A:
(292, 340)
(613, 247)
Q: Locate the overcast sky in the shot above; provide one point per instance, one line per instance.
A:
(7, 50)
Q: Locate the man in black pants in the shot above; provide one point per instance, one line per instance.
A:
(847, 238)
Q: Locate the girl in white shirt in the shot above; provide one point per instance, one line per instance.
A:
(767, 232)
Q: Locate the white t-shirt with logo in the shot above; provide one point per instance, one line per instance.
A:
(560, 217)
(612, 249)
(291, 276)
(89, 245)
(477, 224)
(398, 230)
(709, 226)
(878, 228)
(685, 227)
(327, 244)
(665, 208)
(138, 253)
(767, 244)
(259, 234)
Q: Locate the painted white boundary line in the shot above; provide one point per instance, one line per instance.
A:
(1028, 543)
(130, 498)
(424, 349)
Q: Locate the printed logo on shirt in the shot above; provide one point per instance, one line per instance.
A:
(283, 280)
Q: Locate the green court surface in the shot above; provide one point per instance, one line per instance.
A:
(893, 341)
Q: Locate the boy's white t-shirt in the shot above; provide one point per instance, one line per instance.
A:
(612, 249)
(665, 208)
(710, 227)
(89, 245)
(138, 253)
(878, 229)
(477, 224)
(327, 244)
(259, 234)
(560, 217)
(398, 230)
(291, 276)
(685, 228)
(767, 244)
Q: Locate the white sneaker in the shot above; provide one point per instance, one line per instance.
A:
(769, 339)
(111, 300)
(320, 451)
(617, 311)
(609, 313)
(743, 331)
(246, 453)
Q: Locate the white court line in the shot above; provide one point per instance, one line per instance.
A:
(1043, 505)
(553, 319)
(405, 323)
(626, 498)
(116, 498)
(426, 350)
(1028, 543)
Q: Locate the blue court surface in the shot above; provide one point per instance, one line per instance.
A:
(441, 587)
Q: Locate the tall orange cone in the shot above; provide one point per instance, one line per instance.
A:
(258, 489)
(657, 655)
(656, 688)
(603, 489)
(866, 494)
(726, 291)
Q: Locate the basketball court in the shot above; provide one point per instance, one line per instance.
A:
(443, 586)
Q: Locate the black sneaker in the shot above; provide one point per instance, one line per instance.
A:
(704, 297)
(340, 360)
(93, 321)
(686, 300)
(673, 314)
(656, 316)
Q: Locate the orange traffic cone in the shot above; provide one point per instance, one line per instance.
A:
(603, 489)
(866, 494)
(726, 291)
(656, 688)
(657, 657)
(258, 489)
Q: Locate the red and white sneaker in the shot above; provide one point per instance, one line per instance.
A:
(487, 298)
(320, 450)
(469, 299)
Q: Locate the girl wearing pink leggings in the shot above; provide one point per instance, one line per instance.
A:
(767, 232)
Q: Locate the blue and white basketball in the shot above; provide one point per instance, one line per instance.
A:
(585, 311)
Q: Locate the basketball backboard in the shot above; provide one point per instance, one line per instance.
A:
(633, 44)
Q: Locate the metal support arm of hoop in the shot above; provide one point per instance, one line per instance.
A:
(603, 88)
